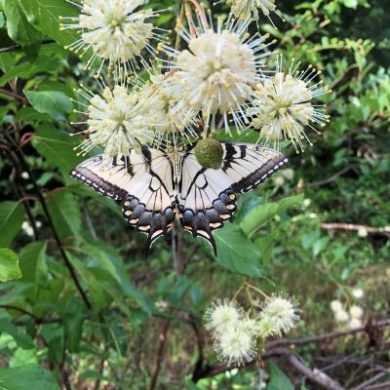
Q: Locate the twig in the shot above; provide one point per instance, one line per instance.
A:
(315, 376)
(370, 381)
(160, 353)
(327, 336)
(14, 95)
(36, 319)
(329, 179)
(351, 227)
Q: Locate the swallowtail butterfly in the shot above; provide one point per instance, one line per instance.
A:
(156, 187)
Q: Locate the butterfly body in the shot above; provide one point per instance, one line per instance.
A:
(159, 188)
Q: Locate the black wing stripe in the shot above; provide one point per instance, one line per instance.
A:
(98, 184)
(255, 178)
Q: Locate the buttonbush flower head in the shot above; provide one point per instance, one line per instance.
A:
(236, 345)
(341, 316)
(358, 293)
(336, 305)
(217, 72)
(356, 311)
(158, 107)
(355, 323)
(249, 9)
(115, 30)
(283, 107)
(222, 316)
(115, 122)
(281, 313)
(236, 332)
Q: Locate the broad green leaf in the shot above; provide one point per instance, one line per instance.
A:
(27, 377)
(45, 17)
(17, 333)
(33, 264)
(11, 219)
(65, 213)
(26, 70)
(261, 214)
(278, 379)
(57, 148)
(236, 253)
(54, 103)
(9, 265)
(18, 27)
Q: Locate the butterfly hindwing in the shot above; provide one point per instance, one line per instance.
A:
(207, 196)
(143, 181)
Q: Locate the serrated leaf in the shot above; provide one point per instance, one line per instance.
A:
(65, 213)
(57, 148)
(18, 27)
(27, 377)
(11, 219)
(236, 253)
(54, 103)
(9, 265)
(261, 214)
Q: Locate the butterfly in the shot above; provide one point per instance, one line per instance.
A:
(159, 187)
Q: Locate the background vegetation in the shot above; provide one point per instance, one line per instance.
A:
(86, 310)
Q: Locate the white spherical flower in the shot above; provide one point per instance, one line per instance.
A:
(115, 122)
(158, 106)
(279, 181)
(27, 229)
(115, 30)
(236, 345)
(341, 316)
(281, 313)
(223, 316)
(265, 328)
(282, 108)
(336, 305)
(25, 175)
(217, 73)
(356, 311)
(358, 293)
(354, 323)
(249, 9)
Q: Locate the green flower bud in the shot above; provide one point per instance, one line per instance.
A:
(209, 153)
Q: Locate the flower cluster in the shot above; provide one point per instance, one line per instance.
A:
(218, 79)
(348, 317)
(237, 333)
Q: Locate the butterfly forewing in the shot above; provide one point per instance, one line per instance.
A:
(143, 181)
(206, 196)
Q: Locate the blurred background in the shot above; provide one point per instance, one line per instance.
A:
(88, 311)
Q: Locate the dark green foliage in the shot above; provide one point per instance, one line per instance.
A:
(111, 335)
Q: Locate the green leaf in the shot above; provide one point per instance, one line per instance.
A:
(11, 219)
(9, 265)
(46, 18)
(54, 103)
(26, 70)
(27, 377)
(33, 264)
(18, 27)
(236, 253)
(261, 214)
(65, 213)
(279, 380)
(22, 339)
(57, 148)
